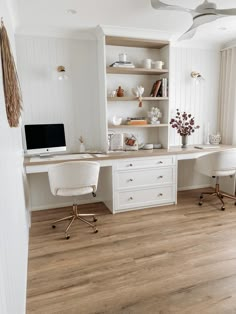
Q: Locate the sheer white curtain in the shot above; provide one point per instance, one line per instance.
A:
(227, 96)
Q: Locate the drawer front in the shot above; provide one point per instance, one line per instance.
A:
(145, 163)
(144, 177)
(145, 197)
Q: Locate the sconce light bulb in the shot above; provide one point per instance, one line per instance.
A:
(197, 76)
(61, 73)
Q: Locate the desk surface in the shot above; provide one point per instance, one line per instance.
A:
(182, 153)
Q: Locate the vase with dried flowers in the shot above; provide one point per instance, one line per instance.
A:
(184, 123)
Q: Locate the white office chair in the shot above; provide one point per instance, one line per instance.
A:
(216, 165)
(74, 178)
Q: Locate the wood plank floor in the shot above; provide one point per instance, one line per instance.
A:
(174, 259)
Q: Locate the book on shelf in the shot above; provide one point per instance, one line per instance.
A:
(122, 64)
(152, 90)
(160, 88)
(164, 87)
(136, 121)
(157, 88)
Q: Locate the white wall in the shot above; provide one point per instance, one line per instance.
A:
(48, 100)
(201, 100)
(13, 215)
(73, 102)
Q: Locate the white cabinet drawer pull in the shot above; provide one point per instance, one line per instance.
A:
(160, 194)
(160, 162)
(131, 180)
(160, 177)
(131, 198)
(131, 165)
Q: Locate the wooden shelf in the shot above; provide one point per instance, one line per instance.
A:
(132, 98)
(122, 126)
(116, 70)
(134, 42)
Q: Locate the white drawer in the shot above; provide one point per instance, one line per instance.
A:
(145, 197)
(145, 162)
(138, 178)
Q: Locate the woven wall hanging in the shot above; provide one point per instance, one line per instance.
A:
(11, 85)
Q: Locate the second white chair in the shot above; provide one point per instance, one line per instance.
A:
(74, 178)
(216, 165)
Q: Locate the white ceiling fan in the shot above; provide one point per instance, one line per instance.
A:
(202, 14)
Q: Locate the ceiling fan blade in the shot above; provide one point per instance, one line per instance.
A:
(158, 5)
(188, 35)
(226, 11)
(198, 20)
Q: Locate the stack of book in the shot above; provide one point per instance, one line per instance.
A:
(160, 88)
(122, 64)
(137, 121)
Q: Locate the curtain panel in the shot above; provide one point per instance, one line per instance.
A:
(227, 97)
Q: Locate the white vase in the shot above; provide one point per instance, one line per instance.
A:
(81, 148)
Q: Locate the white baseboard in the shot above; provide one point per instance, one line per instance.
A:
(194, 187)
(51, 206)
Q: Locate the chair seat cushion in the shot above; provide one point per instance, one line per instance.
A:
(74, 191)
(222, 173)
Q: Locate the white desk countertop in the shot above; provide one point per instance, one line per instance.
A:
(41, 164)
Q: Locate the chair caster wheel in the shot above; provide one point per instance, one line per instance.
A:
(53, 226)
(95, 219)
(67, 236)
(223, 208)
(200, 203)
(96, 231)
(201, 197)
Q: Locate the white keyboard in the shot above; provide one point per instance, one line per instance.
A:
(61, 157)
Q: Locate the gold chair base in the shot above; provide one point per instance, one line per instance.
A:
(79, 217)
(219, 194)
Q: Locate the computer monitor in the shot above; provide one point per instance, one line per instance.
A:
(45, 138)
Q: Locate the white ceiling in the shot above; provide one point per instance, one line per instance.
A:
(45, 15)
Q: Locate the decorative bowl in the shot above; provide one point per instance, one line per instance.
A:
(116, 120)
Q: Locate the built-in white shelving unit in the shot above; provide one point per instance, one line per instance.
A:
(129, 78)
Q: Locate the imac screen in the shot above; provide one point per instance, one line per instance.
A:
(45, 137)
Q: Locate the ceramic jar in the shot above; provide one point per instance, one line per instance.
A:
(214, 139)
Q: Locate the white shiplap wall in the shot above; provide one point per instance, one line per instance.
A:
(13, 214)
(198, 99)
(201, 100)
(73, 102)
(48, 100)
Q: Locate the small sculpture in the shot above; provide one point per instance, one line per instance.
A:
(120, 92)
(138, 92)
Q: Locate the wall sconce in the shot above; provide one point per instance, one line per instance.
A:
(61, 73)
(197, 76)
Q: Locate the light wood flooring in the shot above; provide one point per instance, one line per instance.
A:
(164, 260)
